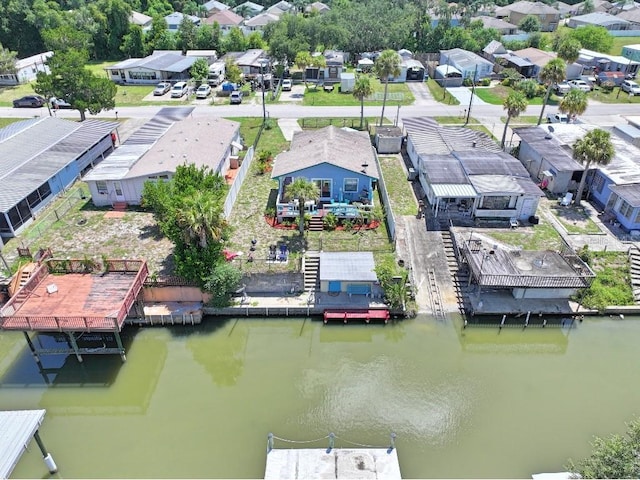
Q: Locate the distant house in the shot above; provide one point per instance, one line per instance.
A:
(603, 62)
(175, 19)
(252, 62)
(632, 52)
(329, 74)
(342, 163)
(539, 58)
(598, 6)
(140, 19)
(248, 9)
(227, 19)
(463, 169)
(599, 19)
(257, 23)
(504, 27)
(494, 50)
(41, 157)
(467, 63)
(547, 162)
(631, 16)
(154, 151)
(567, 10)
(280, 8)
(161, 65)
(26, 69)
(447, 76)
(318, 7)
(614, 187)
(214, 6)
(516, 12)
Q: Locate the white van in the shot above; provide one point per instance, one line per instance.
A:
(216, 74)
(179, 89)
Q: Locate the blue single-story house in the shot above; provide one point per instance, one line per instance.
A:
(468, 63)
(341, 162)
(41, 157)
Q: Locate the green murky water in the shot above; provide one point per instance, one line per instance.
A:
(199, 402)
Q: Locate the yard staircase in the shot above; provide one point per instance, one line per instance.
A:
(311, 270)
(120, 206)
(315, 224)
(21, 278)
(634, 268)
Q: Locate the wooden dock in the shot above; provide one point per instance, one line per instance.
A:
(169, 313)
(351, 315)
(363, 463)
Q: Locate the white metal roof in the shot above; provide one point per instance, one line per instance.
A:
(347, 267)
(451, 190)
(16, 430)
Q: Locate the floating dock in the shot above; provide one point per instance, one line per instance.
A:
(347, 315)
(363, 463)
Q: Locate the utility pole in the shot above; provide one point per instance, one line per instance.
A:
(473, 91)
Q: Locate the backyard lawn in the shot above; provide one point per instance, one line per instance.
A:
(496, 95)
(619, 42)
(615, 96)
(403, 200)
(439, 94)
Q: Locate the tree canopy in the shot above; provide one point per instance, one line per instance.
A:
(593, 37)
(594, 147)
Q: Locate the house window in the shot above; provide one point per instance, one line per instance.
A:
(637, 220)
(495, 203)
(598, 183)
(163, 177)
(324, 185)
(626, 210)
(350, 185)
(142, 75)
(115, 73)
(102, 187)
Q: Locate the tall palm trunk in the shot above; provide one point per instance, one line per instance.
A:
(384, 100)
(504, 133)
(361, 112)
(544, 103)
(583, 181)
(301, 208)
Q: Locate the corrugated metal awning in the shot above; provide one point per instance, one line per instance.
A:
(16, 430)
(449, 190)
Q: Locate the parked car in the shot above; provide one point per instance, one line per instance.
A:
(161, 88)
(631, 87)
(286, 85)
(33, 101)
(557, 118)
(203, 91)
(235, 98)
(58, 103)
(179, 90)
(615, 77)
(562, 88)
(580, 85)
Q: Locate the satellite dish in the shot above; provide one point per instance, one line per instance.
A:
(550, 128)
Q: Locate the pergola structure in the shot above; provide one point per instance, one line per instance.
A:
(74, 297)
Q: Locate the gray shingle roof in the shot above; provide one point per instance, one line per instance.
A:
(38, 151)
(444, 169)
(348, 149)
(629, 193)
(347, 267)
(549, 148)
(478, 162)
(162, 61)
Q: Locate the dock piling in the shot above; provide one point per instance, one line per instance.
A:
(392, 446)
(46, 456)
(332, 437)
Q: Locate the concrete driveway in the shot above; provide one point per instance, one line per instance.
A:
(463, 94)
(296, 94)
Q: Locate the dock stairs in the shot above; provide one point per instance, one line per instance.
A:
(311, 270)
(459, 273)
(634, 269)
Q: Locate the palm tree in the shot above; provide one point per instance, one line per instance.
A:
(303, 190)
(202, 219)
(573, 103)
(387, 64)
(552, 73)
(361, 90)
(569, 50)
(594, 147)
(514, 104)
(302, 61)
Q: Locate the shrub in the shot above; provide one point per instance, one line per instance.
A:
(330, 221)
(347, 225)
(467, 82)
(222, 282)
(528, 87)
(485, 82)
(607, 86)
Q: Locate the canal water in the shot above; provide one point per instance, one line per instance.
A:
(198, 402)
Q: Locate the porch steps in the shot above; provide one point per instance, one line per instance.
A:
(311, 269)
(120, 206)
(315, 224)
(634, 267)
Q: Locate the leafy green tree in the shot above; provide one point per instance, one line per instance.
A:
(234, 41)
(595, 147)
(255, 40)
(530, 24)
(222, 283)
(200, 69)
(361, 90)
(188, 209)
(158, 8)
(515, 104)
(302, 61)
(232, 70)
(574, 103)
(187, 34)
(529, 87)
(71, 80)
(386, 65)
(66, 37)
(553, 72)
(593, 37)
(302, 190)
(112, 18)
(133, 42)
(166, 41)
(613, 457)
(569, 50)
(587, 7)
(209, 37)
(7, 60)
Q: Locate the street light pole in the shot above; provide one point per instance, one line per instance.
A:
(264, 106)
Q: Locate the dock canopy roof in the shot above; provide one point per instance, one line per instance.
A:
(17, 427)
(347, 267)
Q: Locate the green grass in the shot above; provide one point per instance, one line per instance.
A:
(539, 237)
(454, 120)
(438, 93)
(9, 93)
(97, 68)
(133, 95)
(619, 42)
(316, 96)
(615, 96)
(8, 121)
(575, 220)
(521, 120)
(612, 285)
(321, 122)
(496, 95)
(403, 200)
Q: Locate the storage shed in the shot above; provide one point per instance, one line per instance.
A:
(388, 139)
(347, 272)
(347, 82)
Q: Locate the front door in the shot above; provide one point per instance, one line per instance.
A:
(528, 208)
(117, 188)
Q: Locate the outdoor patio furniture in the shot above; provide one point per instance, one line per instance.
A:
(566, 200)
(282, 256)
